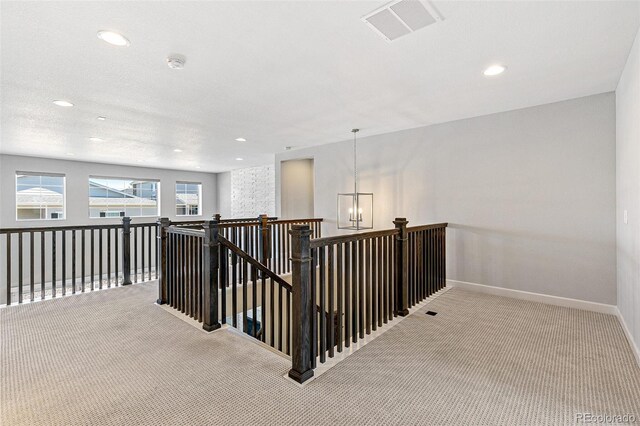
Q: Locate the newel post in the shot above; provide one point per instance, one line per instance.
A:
(265, 239)
(210, 276)
(301, 304)
(401, 268)
(163, 228)
(126, 251)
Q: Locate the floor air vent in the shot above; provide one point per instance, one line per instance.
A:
(401, 17)
(433, 314)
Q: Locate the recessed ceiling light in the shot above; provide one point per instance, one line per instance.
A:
(94, 139)
(113, 37)
(70, 154)
(176, 62)
(198, 167)
(238, 159)
(494, 70)
(241, 139)
(101, 118)
(62, 103)
(177, 150)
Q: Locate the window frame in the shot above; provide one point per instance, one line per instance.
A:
(40, 174)
(183, 182)
(124, 178)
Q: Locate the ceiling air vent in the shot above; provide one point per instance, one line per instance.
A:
(401, 17)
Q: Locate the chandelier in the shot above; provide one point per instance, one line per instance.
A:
(355, 209)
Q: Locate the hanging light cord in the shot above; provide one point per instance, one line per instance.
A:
(355, 164)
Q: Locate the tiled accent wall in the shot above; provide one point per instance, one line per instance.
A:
(253, 192)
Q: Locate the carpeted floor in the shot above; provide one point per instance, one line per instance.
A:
(113, 358)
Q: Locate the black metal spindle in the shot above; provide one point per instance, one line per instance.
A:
(42, 266)
(361, 295)
(354, 292)
(340, 292)
(53, 263)
(245, 325)
(224, 282)
(323, 313)
(8, 268)
(367, 284)
(116, 258)
(330, 294)
(64, 262)
(92, 258)
(263, 308)
(347, 295)
(234, 288)
(135, 254)
(271, 312)
(82, 253)
(142, 257)
(314, 307)
(108, 257)
(374, 284)
(279, 317)
(73, 261)
(100, 258)
(19, 267)
(32, 262)
(150, 247)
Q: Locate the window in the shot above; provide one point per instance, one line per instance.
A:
(188, 198)
(118, 197)
(40, 196)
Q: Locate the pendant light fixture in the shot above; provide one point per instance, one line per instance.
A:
(355, 209)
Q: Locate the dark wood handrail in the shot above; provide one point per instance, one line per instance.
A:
(231, 223)
(426, 227)
(326, 241)
(64, 228)
(294, 221)
(253, 262)
(246, 219)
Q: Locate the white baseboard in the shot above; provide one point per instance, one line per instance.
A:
(627, 332)
(537, 297)
(553, 300)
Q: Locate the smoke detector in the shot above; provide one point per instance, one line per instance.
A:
(401, 17)
(176, 62)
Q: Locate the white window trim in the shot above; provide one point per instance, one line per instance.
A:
(175, 193)
(64, 194)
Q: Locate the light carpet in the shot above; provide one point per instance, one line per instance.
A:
(114, 358)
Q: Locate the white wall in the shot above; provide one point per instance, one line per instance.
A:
(224, 194)
(529, 194)
(628, 191)
(296, 189)
(77, 189)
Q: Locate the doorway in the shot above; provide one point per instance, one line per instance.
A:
(296, 189)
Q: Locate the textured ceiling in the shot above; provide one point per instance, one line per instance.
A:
(282, 73)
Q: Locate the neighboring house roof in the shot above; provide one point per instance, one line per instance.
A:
(190, 199)
(109, 190)
(36, 196)
(116, 202)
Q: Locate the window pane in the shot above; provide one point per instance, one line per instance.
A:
(39, 197)
(122, 197)
(188, 199)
